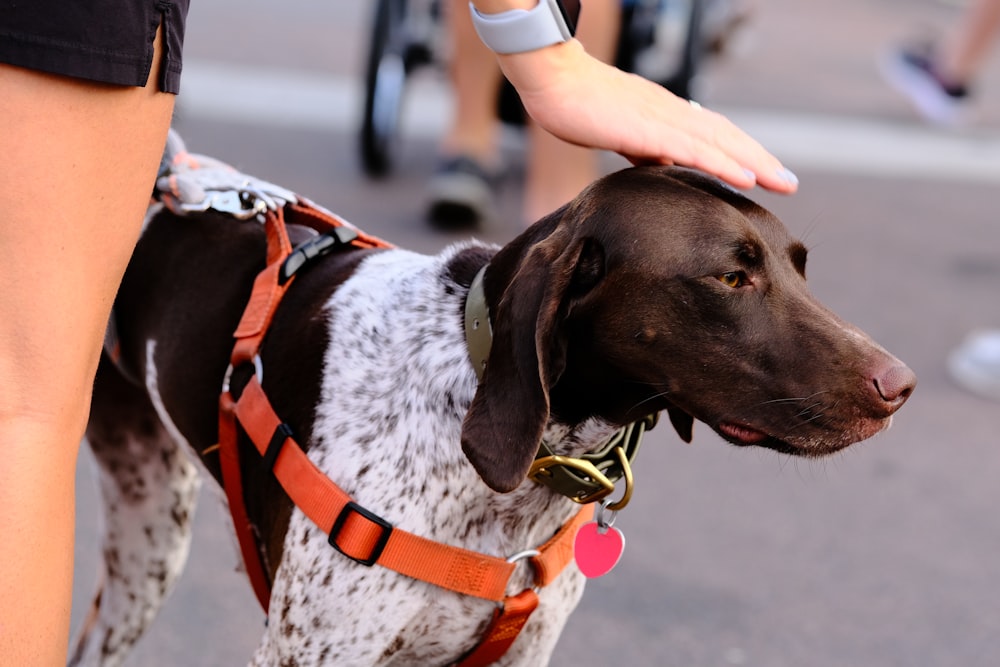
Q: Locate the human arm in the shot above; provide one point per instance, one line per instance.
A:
(586, 102)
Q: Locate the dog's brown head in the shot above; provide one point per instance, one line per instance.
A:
(660, 289)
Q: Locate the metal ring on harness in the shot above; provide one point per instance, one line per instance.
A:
(522, 555)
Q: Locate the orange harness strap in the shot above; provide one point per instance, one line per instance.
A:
(354, 531)
(508, 621)
(267, 293)
(510, 617)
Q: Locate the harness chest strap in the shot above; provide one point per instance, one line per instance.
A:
(367, 539)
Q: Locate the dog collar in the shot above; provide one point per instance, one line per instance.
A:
(592, 476)
(478, 330)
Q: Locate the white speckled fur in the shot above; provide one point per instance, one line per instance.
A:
(398, 453)
(149, 488)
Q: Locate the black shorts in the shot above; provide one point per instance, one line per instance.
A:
(99, 40)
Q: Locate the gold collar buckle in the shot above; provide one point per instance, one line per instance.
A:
(593, 476)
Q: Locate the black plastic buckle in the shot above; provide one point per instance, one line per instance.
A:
(383, 539)
(314, 248)
(278, 440)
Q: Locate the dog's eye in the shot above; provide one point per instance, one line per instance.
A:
(733, 279)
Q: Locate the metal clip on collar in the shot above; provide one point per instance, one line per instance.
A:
(592, 477)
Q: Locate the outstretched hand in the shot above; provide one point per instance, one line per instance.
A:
(586, 102)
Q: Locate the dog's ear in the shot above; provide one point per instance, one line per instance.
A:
(504, 425)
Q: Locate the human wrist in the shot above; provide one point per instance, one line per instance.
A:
(535, 70)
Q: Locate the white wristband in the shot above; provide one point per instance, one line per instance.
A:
(520, 30)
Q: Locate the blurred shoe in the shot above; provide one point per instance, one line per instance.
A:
(461, 194)
(975, 364)
(912, 74)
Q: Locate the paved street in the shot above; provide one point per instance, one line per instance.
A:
(885, 555)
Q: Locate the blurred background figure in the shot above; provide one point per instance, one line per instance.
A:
(937, 78)
(975, 364)
(461, 190)
(662, 40)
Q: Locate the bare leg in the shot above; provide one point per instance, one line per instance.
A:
(78, 166)
(969, 42)
(476, 78)
(557, 171)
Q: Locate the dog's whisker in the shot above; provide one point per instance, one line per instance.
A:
(807, 409)
(806, 422)
(651, 398)
(794, 399)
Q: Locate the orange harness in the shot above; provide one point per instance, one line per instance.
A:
(355, 531)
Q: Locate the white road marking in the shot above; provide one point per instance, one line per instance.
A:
(865, 146)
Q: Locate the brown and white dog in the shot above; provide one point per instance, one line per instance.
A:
(655, 289)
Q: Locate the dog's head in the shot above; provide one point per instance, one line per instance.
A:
(660, 289)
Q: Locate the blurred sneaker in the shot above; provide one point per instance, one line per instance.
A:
(912, 74)
(975, 364)
(461, 194)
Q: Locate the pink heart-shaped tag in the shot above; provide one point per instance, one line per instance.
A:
(597, 550)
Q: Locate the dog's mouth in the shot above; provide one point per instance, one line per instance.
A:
(738, 433)
(742, 434)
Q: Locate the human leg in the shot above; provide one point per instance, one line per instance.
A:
(558, 171)
(461, 188)
(475, 78)
(79, 163)
(969, 42)
(975, 364)
(937, 80)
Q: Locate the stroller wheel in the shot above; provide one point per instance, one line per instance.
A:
(384, 83)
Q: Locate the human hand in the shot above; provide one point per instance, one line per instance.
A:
(586, 102)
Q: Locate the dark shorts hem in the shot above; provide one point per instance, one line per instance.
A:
(124, 60)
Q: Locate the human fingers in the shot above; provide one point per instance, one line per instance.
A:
(736, 145)
(667, 129)
(586, 102)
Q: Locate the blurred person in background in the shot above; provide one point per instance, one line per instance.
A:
(660, 42)
(461, 190)
(938, 80)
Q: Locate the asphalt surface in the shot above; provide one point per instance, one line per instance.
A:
(882, 556)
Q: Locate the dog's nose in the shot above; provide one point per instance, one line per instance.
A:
(894, 383)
